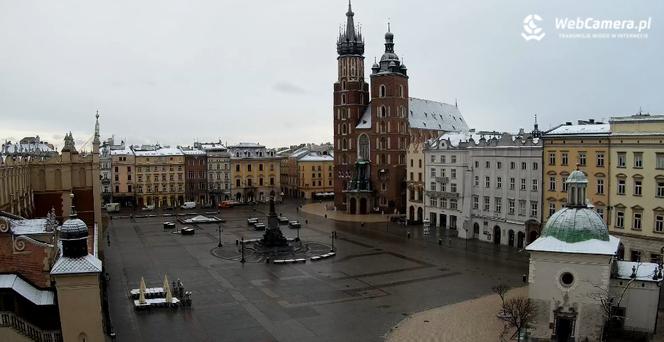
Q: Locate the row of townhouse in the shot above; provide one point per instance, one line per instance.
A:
(307, 171)
(502, 188)
(207, 173)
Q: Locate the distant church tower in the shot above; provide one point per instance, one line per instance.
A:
(351, 96)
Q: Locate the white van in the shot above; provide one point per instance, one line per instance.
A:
(112, 207)
(189, 205)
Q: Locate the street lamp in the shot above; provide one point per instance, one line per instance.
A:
(219, 245)
(242, 260)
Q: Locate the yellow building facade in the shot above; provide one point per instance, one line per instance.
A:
(123, 176)
(315, 176)
(255, 173)
(586, 146)
(637, 185)
(159, 176)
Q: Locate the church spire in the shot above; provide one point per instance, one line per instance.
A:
(96, 139)
(350, 40)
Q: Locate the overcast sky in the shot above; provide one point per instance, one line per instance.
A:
(177, 71)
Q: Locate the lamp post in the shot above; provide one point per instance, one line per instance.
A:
(219, 245)
(332, 236)
(242, 246)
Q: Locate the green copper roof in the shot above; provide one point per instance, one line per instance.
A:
(576, 225)
(577, 177)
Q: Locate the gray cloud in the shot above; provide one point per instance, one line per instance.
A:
(288, 88)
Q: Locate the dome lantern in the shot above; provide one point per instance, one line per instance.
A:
(74, 235)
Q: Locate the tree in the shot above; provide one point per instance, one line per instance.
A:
(517, 312)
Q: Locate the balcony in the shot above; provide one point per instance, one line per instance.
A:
(11, 320)
(442, 194)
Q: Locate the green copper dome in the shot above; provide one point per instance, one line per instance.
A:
(576, 225)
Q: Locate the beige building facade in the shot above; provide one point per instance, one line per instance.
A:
(637, 185)
(255, 173)
(415, 182)
(159, 176)
(123, 175)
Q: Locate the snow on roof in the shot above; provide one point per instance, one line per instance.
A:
(644, 270)
(637, 117)
(86, 264)
(121, 151)
(603, 129)
(365, 121)
(434, 115)
(38, 147)
(25, 289)
(592, 246)
(163, 151)
(425, 114)
(315, 157)
(193, 152)
(247, 145)
(31, 226)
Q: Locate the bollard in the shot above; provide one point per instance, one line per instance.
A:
(408, 235)
(524, 277)
(440, 242)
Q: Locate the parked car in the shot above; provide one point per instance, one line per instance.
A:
(224, 204)
(259, 226)
(294, 224)
(282, 219)
(112, 207)
(187, 231)
(252, 221)
(148, 207)
(189, 205)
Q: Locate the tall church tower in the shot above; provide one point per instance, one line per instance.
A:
(351, 96)
(389, 117)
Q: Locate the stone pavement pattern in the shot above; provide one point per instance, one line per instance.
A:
(377, 278)
(470, 321)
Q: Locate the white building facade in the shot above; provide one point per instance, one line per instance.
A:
(486, 186)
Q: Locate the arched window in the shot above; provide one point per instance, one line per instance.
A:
(382, 91)
(344, 144)
(383, 112)
(343, 98)
(383, 143)
(343, 129)
(401, 91)
(363, 147)
(343, 85)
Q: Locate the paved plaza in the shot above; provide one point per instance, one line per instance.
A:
(378, 277)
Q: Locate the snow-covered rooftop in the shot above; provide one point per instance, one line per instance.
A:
(592, 246)
(25, 289)
(316, 157)
(26, 227)
(121, 151)
(163, 151)
(644, 270)
(599, 129)
(85, 264)
(434, 115)
(193, 152)
(30, 148)
(247, 145)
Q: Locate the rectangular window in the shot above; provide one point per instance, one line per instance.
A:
(433, 172)
(638, 160)
(453, 203)
(620, 219)
(498, 204)
(522, 207)
(433, 158)
(659, 161)
(552, 158)
(433, 202)
(535, 166)
(477, 164)
(499, 165)
(499, 182)
(442, 159)
(487, 182)
(621, 186)
(512, 165)
(432, 186)
(477, 180)
(443, 203)
(636, 225)
(476, 202)
(453, 187)
(600, 185)
(552, 183)
(599, 156)
(600, 212)
(659, 223)
(552, 208)
(582, 158)
(453, 159)
(512, 185)
(637, 188)
(487, 203)
(535, 184)
(622, 159)
(524, 165)
(564, 157)
(523, 184)
(487, 164)
(533, 208)
(510, 206)
(562, 180)
(452, 173)
(660, 189)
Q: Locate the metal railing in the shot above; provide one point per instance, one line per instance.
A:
(11, 320)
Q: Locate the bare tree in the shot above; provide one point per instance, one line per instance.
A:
(516, 312)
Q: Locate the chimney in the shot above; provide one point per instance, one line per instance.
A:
(568, 123)
(591, 121)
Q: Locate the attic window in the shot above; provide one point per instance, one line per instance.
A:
(426, 115)
(411, 113)
(424, 123)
